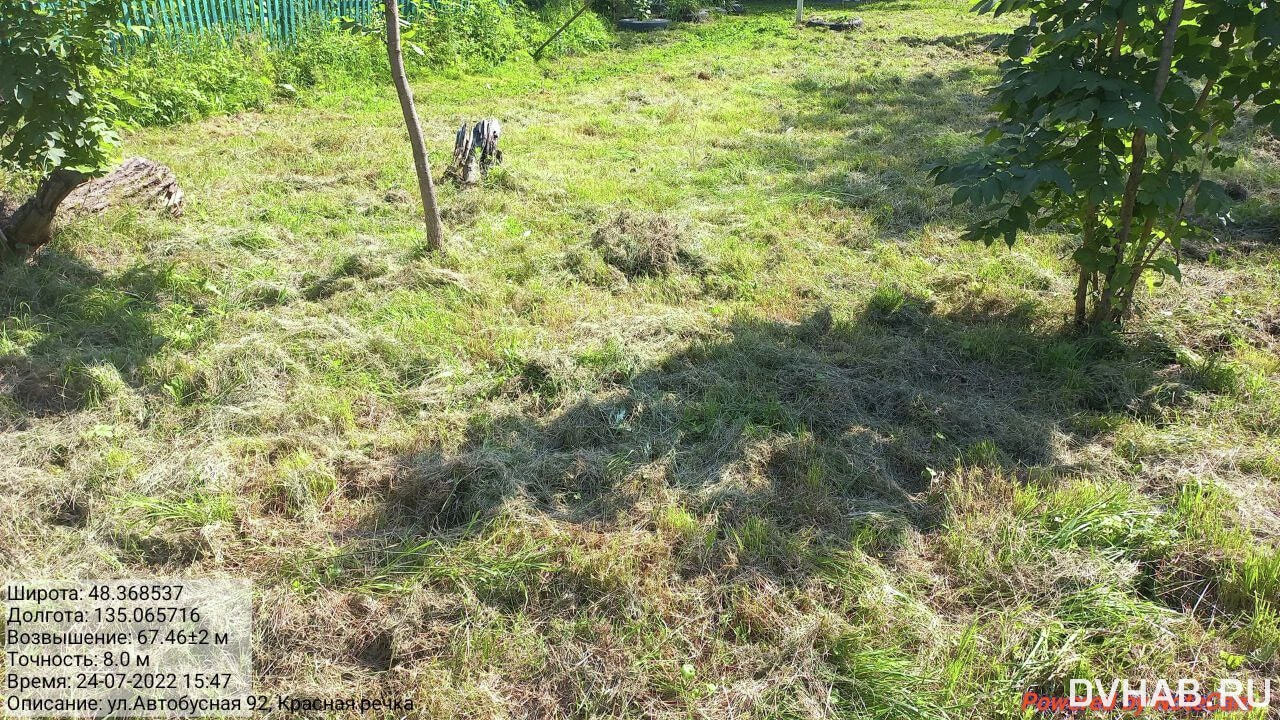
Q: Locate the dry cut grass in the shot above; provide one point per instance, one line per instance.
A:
(703, 412)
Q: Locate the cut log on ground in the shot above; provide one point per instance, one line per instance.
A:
(475, 150)
(137, 180)
(66, 194)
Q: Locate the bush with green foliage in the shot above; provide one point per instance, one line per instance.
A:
(588, 32)
(56, 107)
(327, 55)
(1111, 115)
(643, 9)
(476, 32)
(638, 9)
(167, 82)
(172, 80)
(687, 9)
(57, 110)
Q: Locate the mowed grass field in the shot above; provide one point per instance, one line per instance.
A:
(703, 412)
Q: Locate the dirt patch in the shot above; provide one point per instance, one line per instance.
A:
(641, 244)
(1269, 325)
(70, 511)
(36, 392)
(376, 653)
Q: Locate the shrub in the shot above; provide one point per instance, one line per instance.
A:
(57, 118)
(325, 55)
(175, 79)
(588, 32)
(169, 82)
(686, 9)
(55, 110)
(641, 9)
(1111, 116)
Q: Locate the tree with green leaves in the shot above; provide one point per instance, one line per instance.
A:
(57, 119)
(1111, 117)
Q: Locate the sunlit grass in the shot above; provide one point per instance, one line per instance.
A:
(804, 455)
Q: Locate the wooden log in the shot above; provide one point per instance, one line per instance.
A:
(65, 194)
(137, 180)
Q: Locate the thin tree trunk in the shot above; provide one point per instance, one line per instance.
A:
(1121, 26)
(1103, 312)
(31, 225)
(1082, 298)
(1088, 231)
(1140, 257)
(427, 188)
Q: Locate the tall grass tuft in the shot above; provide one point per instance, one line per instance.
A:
(1253, 580)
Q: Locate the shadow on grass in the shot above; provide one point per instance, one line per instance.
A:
(866, 140)
(896, 128)
(64, 318)
(788, 437)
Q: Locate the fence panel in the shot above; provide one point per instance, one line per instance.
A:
(278, 21)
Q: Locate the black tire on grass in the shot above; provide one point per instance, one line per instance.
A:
(643, 25)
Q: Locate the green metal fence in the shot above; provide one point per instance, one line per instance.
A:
(277, 20)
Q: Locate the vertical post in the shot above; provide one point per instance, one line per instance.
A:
(180, 10)
(160, 17)
(799, 11)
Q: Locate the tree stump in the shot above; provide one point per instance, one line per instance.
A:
(475, 151)
(66, 194)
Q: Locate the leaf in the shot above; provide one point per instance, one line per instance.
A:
(1057, 176)
(1047, 82)
(1019, 46)
(1088, 259)
(1167, 265)
(1269, 115)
